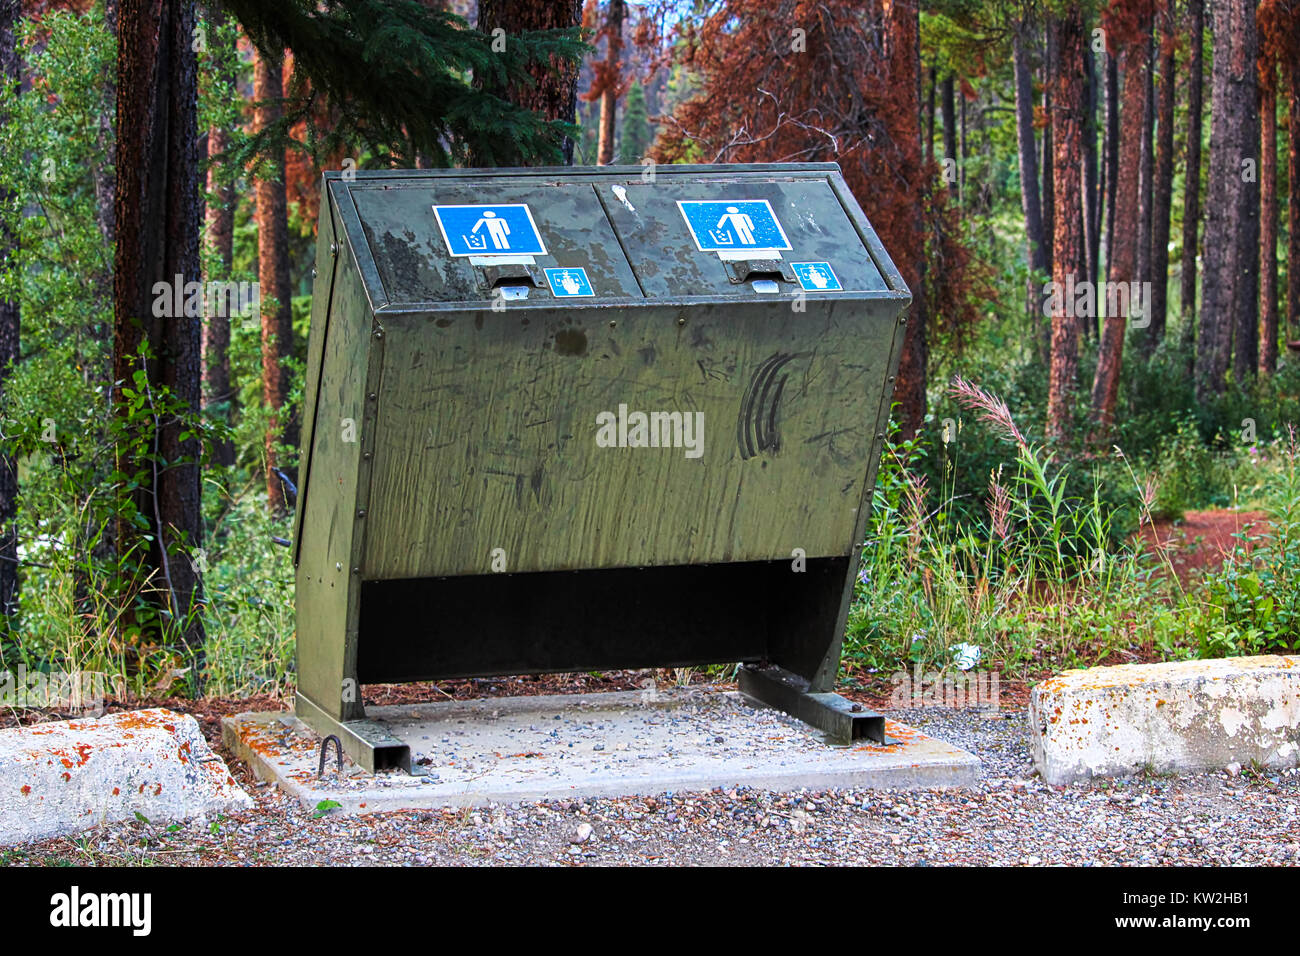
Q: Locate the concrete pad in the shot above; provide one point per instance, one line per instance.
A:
(611, 744)
(1175, 716)
(68, 775)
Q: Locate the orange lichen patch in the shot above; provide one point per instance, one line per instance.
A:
(116, 791)
(903, 734)
(265, 743)
(142, 720)
(67, 777)
(1128, 677)
(158, 790)
(24, 790)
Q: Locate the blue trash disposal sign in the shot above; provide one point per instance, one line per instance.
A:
(737, 224)
(506, 230)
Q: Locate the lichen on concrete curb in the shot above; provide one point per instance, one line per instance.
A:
(65, 776)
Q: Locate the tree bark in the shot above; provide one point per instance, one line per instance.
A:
(1162, 192)
(1232, 205)
(1048, 173)
(221, 239)
(158, 212)
(1068, 257)
(1112, 150)
(1124, 254)
(1028, 155)
(1293, 188)
(555, 91)
(10, 322)
(1268, 218)
(948, 103)
(273, 277)
(929, 118)
(1245, 298)
(1091, 203)
(610, 82)
(904, 70)
(1146, 177)
(1192, 173)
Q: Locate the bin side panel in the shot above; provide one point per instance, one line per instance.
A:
(492, 430)
(322, 295)
(327, 592)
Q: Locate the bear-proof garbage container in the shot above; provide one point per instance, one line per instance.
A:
(588, 418)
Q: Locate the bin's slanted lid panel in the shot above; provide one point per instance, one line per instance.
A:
(423, 259)
(674, 229)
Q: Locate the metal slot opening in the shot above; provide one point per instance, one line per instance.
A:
(508, 282)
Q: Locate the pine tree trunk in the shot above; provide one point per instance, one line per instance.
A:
(1232, 205)
(1048, 154)
(613, 71)
(1112, 150)
(158, 213)
(1293, 204)
(1245, 298)
(10, 314)
(1068, 257)
(1162, 194)
(1192, 171)
(1027, 152)
(929, 118)
(904, 69)
(555, 91)
(1268, 221)
(1124, 253)
(1146, 177)
(1091, 205)
(273, 277)
(221, 239)
(948, 103)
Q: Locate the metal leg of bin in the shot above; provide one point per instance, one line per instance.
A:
(367, 742)
(842, 720)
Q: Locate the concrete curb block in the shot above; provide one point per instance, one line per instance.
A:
(1169, 717)
(65, 776)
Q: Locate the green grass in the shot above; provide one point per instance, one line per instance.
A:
(1043, 579)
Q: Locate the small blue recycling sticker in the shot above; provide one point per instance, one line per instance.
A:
(569, 282)
(737, 224)
(506, 230)
(816, 276)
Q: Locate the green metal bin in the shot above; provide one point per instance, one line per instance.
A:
(565, 419)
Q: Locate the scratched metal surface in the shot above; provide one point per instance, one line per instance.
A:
(414, 262)
(667, 262)
(487, 436)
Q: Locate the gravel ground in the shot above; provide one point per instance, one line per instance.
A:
(1009, 818)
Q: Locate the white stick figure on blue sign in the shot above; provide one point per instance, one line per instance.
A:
(497, 229)
(735, 220)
